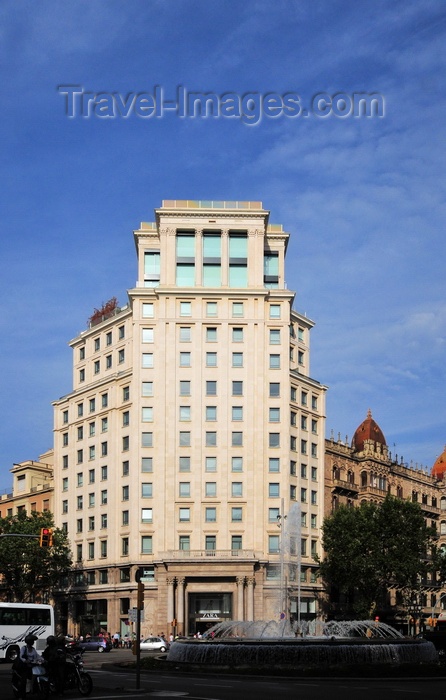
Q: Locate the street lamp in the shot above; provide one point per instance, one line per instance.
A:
(283, 602)
(414, 610)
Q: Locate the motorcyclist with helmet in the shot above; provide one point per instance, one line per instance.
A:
(55, 657)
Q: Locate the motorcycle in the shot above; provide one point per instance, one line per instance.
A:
(75, 676)
(43, 685)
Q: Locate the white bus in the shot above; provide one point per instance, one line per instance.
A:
(20, 619)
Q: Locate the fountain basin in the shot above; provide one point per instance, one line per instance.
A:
(293, 653)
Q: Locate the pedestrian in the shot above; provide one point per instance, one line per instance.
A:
(29, 657)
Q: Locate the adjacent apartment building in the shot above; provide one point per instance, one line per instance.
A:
(191, 446)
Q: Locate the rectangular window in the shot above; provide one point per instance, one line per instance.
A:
(96, 367)
(91, 523)
(184, 543)
(92, 429)
(237, 388)
(211, 489)
(80, 456)
(210, 515)
(313, 449)
(147, 414)
(125, 517)
(211, 359)
(185, 334)
(65, 484)
(273, 544)
(125, 443)
(185, 359)
(237, 464)
(147, 360)
(148, 335)
(274, 336)
(236, 515)
(103, 521)
(237, 413)
(121, 356)
(184, 515)
(314, 498)
(237, 359)
(210, 464)
(211, 335)
(210, 543)
(91, 500)
(292, 492)
(126, 393)
(211, 308)
(273, 490)
(148, 310)
(146, 515)
(125, 493)
(184, 438)
(236, 489)
(108, 361)
(303, 447)
(237, 439)
(147, 440)
(146, 490)
(303, 495)
(274, 389)
(184, 489)
(104, 497)
(273, 515)
(125, 546)
(104, 400)
(146, 464)
(211, 413)
(237, 309)
(274, 311)
(274, 464)
(151, 268)
(184, 465)
(147, 389)
(80, 502)
(185, 308)
(80, 433)
(211, 438)
(126, 418)
(211, 388)
(237, 335)
(274, 440)
(314, 473)
(91, 476)
(185, 413)
(274, 361)
(184, 388)
(104, 425)
(125, 468)
(274, 415)
(236, 543)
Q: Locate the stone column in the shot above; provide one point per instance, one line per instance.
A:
(224, 258)
(250, 581)
(240, 590)
(180, 606)
(170, 599)
(198, 257)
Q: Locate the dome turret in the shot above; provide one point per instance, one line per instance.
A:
(439, 468)
(368, 430)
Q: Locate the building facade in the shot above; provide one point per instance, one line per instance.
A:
(191, 446)
(32, 487)
(365, 470)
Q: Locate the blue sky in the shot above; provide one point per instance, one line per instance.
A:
(363, 198)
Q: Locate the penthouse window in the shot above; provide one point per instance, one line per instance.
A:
(185, 249)
(212, 259)
(271, 269)
(151, 268)
(238, 259)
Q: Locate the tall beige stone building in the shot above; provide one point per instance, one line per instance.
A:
(192, 444)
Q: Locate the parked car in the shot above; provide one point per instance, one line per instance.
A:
(92, 644)
(154, 644)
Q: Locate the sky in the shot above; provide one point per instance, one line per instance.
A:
(363, 197)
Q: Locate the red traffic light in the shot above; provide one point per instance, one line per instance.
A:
(46, 537)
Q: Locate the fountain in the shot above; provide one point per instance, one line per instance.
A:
(268, 644)
(272, 644)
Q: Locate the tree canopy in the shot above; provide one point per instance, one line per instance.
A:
(29, 572)
(374, 547)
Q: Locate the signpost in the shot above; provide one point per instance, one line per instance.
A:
(139, 607)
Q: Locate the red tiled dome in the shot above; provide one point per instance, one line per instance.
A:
(439, 467)
(368, 430)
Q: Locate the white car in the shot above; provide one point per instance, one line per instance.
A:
(154, 644)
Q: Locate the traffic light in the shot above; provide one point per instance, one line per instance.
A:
(46, 537)
(140, 595)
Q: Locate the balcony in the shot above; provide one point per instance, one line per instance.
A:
(344, 487)
(203, 554)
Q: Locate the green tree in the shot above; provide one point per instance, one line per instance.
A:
(29, 572)
(372, 548)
